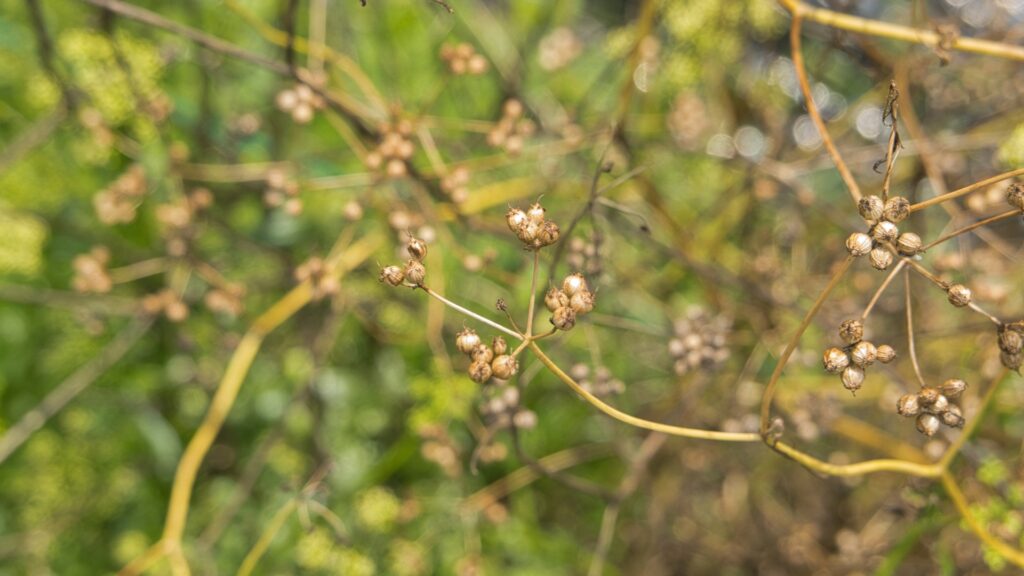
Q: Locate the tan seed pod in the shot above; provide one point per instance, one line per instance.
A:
(953, 388)
(1010, 341)
(959, 295)
(863, 354)
(480, 372)
(851, 331)
(482, 353)
(953, 417)
(467, 340)
(504, 366)
(929, 396)
(1012, 361)
(885, 354)
(859, 244)
(908, 244)
(870, 208)
(563, 318)
(885, 231)
(516, 219)
(499, 346)
(582, 302)
(536, 213)
(392, 275)
(853, 378)
(835, 360)
(881, 258)
(940, 405)
(927, 424)
(1015, 196)
(417, 248)
(548, 234)
(896, 209)
(555, 299)
(573, 283)
(415, 272)
(908, 405)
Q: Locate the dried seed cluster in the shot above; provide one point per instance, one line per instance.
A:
(300, 101)
(851, 361)
(500, 408)
(883, 238)
(701, 340)
(91, 271)
(282, 192)
(599, 383)
(393, 151)
(167, 302)
(572, 300)
(1011, 344)
(462, 58)
(414, 272)
(319, 274)
(584, 255)
(456, 184)
(487, 361)
(512, 129)
(117, 203)
(934, 406)
(531, 227)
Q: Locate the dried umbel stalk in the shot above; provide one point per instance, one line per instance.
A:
(851, 361)
(701, 340)
(934, 406)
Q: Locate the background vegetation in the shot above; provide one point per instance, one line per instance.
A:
(195, 198)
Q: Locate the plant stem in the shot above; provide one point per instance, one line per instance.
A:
(472, 314)
(533, 294)
(965, 190)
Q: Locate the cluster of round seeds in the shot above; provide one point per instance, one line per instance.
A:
(462, 58)
(456, 184)
(851, 361)
(168, 302)
(282, 192)
(1011, 344)
(958, 295)
(572, 300)
(91, 271)
(883, 237)
(393, 151)
(319, 274)
(600, 383)
(934, 406)
(500, 407)
(177, 218)
(487, 361)
(414, 272)
(300, 101)
(1015, 196)
(701, 340)
(117, 203)
(531, 227)
(511, 129)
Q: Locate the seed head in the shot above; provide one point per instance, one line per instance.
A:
(516, 219)
(1015, 196)
(929, 396)
(940, 405)
(504, 366)
(555, 299)
(870, 208)
(885, 231)
(582, 302)
(859, 244)
(835, 360)
(1010, 341)
(480, 372)
(959, 295)
(896, 209)
(953, 388)
(392, 275)
(908, 244)
(851, 331)
(563, 318)
(927, 424)
(548, 234)
(863, 354)
(415, 272)
(536, 213)
(499, 345)
(573, 283)
(467, 340)
(908, 405)
(853, 378)
(953, 417)
(482, 353)
(417, 248)
(885, 354)
(881, 258)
